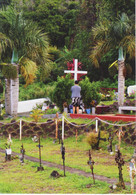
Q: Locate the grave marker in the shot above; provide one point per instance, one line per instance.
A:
(91, 163)
(75, 71)
(99, 138)
(63, 156)
(120, 161)
(39, 146)
(110, 143)
(22, 151)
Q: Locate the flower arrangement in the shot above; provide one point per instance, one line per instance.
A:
(65, 105)
(93, 103)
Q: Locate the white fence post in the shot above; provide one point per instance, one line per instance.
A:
(96, 125)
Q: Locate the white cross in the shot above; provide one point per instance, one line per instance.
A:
(75, 71)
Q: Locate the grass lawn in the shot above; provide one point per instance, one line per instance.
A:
(17, 178)
(76, 157)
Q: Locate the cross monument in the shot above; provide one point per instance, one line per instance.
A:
(75, 71)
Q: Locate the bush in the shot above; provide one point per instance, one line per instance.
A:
(62, 91)
(89, 92)
(33, 91)
(92, 139)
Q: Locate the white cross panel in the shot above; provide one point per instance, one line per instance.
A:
(75, 71)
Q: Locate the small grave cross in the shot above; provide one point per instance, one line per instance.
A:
(120, 161)
(75, 71)
(22, 150)
(91, 163)
(99, 138)
(39, 146)
(132, 173)
(63, 156)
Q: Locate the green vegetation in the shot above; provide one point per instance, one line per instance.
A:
(62, 92)
(15, 178)
(89, 92)
(77, 154)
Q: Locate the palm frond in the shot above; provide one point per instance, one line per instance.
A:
(128, 42)
(4, 42)
(28, 70)
(100, 31)
(98, 51)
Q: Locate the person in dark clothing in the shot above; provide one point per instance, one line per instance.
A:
(76, 89)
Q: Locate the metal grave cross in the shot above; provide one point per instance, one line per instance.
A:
(63, 155)
(39, 146)
(120, 161)
(91, 163)
(75, 71)
(99, 138)
(22, 150)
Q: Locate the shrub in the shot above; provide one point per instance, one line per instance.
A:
(62, 91)
(52, 111)
(92, 139)
(33, 91)
(9, 71)
(89, 92)
(36, 114)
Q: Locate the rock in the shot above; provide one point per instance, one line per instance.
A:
(55, 174)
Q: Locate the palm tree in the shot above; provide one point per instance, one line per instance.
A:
(118, 35)
(27, 47)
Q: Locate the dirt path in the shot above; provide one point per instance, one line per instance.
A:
(69, 169)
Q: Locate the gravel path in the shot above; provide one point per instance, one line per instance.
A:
(69, 169)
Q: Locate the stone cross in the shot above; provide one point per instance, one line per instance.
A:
(75, 71)
(63, 156)
(91, 163)
(39, 146)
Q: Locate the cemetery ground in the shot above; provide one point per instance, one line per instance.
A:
(24, 178)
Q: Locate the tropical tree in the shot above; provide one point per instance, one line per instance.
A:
(117, 35)
(26, 46)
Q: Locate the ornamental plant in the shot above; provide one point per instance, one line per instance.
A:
(90, 93)
(62, 91)
(36, 114)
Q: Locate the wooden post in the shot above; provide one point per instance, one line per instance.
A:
(10, 137)
(62, 127)
(20, 129)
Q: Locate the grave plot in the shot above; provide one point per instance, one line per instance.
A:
(76, 149)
